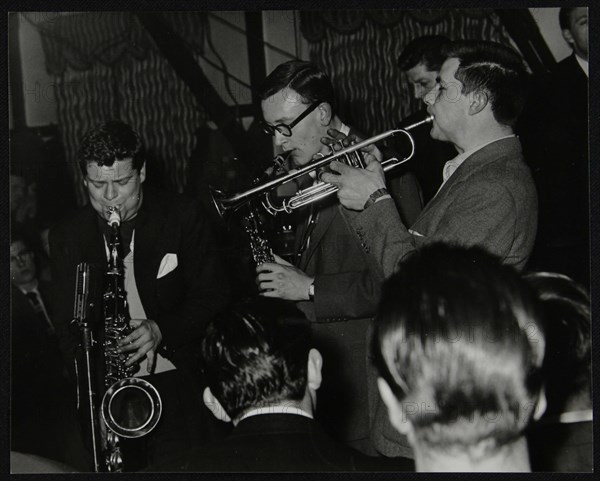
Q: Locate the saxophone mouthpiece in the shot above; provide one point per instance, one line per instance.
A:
(114, 216)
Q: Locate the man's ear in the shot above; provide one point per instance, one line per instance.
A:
(477, 101)
(568, 36)
(394, 407)
(315, 365)
(143, 173)
(214, 406)
(325, 113)
(540, 405)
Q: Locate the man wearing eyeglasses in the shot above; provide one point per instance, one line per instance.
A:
(331, 281)
(43, 418)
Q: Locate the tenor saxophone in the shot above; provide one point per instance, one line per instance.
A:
(131, 406)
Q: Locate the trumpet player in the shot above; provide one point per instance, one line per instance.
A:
(331, 281)
(172, 281)
(487, 196)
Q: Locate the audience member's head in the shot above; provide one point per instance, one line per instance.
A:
(421, 60)
(26, 158)
(482, 88)
(567, 326)
(574, 25)
(298, 107)
(22, 260)
(252, 360)
(461, 351)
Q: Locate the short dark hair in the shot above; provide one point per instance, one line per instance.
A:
(452, 339)
(108, 142)
(430, 50)
(496, 69)
(567, 324)
(312, 83)
(564, 17)
(251, 359)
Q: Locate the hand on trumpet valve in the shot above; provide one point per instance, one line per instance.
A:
(338, 141)
(355, 185)
(282, 280)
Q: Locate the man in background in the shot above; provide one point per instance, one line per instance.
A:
(554, 133)
(421, 61)
(43, 417)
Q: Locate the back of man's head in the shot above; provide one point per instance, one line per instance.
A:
(304, 78)
(498, 71)
(253, 360)
(428, 50)
(461, 348)
(567, 325)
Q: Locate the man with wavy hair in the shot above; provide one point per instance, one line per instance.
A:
(461, 347)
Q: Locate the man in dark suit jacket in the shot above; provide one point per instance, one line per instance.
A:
(263, 376)
(173, 283)
(554, 133)
(43, 417)
(331, 281)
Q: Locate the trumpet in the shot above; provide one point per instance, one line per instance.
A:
(349, 155)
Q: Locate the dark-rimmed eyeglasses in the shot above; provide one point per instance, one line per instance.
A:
(21, 256)
(286, 130)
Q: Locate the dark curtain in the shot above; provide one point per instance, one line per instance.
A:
(107, 67)
(359, 49)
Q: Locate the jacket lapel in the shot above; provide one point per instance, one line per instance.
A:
(480, 158)
(326, 216)
(148, 228)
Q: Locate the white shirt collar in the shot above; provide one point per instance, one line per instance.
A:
(584, 64)
(276, 410)
(453, 164)
(33, 289)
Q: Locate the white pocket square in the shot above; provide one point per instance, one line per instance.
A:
(168, 263)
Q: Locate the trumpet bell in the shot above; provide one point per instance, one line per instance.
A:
(131, 407)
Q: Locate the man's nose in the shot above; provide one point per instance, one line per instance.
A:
(429, 97)
(417, 91)
(279, 138)
(110, 192)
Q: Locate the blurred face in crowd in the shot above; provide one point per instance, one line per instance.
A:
(421, 79)
(447, 104)
(18, 191)
(22, 265)
(577, 34)
(116, 185)
(283, 108)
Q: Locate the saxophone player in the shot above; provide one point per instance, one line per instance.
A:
(172, 281)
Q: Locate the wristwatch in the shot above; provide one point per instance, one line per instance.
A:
(311, 292)
(374, 196)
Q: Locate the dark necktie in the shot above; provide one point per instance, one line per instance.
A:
(40, 312)
(308, 229)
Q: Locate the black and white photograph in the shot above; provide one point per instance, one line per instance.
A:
(299, 240)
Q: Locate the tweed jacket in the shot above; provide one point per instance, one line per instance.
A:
(489, 201)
